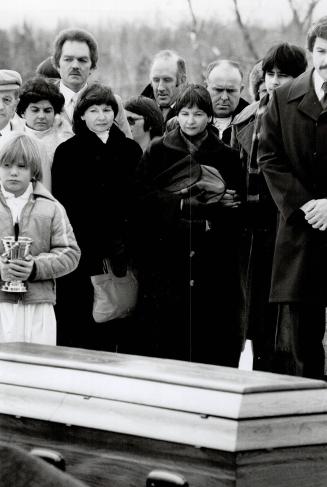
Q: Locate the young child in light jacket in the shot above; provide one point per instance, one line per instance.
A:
(27, 209)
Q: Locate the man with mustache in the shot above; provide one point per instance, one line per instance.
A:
(75, 57)
(292, 155)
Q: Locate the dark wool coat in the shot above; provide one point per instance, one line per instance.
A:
(93, 180)
(293, 156)
(189, 276)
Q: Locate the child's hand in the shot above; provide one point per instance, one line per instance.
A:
(18, 269)
(4, 268)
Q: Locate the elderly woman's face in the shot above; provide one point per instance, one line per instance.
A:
(39, 115)
(98, 118)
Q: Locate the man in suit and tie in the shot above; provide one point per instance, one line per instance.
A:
(293, 158)
(75, 56)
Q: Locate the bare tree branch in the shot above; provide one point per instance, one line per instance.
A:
(296, 17)
(308, 16)
(245, 31)
(194, 21)
(302, 25)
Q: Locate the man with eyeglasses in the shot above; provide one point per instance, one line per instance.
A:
(145, 120)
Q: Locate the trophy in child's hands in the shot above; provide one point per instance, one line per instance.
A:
(15, 249)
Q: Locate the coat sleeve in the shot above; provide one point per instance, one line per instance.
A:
(64, 253)
(157, 206)
(287, 190)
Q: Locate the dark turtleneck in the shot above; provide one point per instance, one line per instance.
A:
(193, 142)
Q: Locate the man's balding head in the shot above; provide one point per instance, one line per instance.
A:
(225, 83)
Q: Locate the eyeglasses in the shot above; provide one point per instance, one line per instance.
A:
(133, 120)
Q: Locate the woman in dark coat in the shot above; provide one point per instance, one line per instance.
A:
(92, 173)
(188, 241)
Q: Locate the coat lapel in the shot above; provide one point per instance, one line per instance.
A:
(302, 89)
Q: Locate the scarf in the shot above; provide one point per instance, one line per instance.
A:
(253, 172)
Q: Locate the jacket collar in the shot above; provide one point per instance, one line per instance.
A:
(248, 112)
(40, 191)
(174, 140)
(115, 136)
(240, 106)
(302, 88)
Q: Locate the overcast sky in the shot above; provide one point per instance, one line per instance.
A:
(48, 12)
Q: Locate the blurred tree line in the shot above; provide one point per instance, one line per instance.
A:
(126, 49)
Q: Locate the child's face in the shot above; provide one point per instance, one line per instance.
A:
(274, 79)
(15, 177)
(99, 118)
(192, 120)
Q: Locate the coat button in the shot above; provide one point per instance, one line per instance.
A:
(192, 253)
(192, 282)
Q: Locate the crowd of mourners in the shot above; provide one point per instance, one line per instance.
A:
(217, 203)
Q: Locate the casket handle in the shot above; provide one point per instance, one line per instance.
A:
(51, 456)
(163, 478)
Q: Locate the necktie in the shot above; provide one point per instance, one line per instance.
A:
(70, 107)
(323, 101)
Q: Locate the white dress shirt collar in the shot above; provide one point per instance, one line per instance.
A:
(317, 83)
(16, 204)
(70, 98)
(6, 130)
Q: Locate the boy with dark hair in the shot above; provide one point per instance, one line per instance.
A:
(281, 63)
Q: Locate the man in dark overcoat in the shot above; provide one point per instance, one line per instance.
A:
(293, 158)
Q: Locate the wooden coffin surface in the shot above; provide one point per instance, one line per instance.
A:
(192, 404)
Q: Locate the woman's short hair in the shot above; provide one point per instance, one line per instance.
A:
(289, 59)
(77, 35)
(37, 89)
(195, 95)
(318, 29)
(94, 94)
(47, 69)
(149, 110)
(21, 147)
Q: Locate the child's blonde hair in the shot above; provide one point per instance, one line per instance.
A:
(20, 147)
